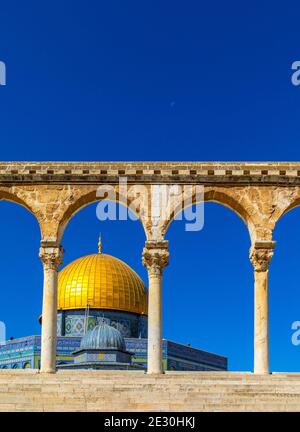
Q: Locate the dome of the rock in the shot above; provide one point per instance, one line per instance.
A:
(101, 281)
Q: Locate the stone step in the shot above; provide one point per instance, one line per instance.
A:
(132, 391)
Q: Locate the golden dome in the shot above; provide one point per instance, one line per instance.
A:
(102, 282)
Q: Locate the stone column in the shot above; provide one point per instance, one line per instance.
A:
(51, 256)
(155, 258)
(260, 255)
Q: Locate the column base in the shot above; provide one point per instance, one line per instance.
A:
(155, 371)
(47, 371)
(261, 371)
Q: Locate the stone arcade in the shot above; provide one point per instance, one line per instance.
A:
(260, 193)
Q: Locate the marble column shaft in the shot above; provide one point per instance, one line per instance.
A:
(155, 258)
(51, 258)
(260, 255)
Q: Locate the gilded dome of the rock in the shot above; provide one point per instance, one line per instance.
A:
(101, 281)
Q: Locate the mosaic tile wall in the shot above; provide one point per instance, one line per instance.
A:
(25, 352)
(85, 357)
(18, 353)
(72, 323)
(185, 357)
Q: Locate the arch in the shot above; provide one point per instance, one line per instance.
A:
(203, 265)
(8, 196)
(291, 206)
(220, 198)
(20, 236)
(90, 198)
(15, 199)
(284, 292)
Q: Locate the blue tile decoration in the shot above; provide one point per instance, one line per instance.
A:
(73, 323)
(19, 352)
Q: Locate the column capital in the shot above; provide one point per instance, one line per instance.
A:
(51, 255)
(261, 253)
(156, 256)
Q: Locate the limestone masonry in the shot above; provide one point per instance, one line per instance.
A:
(175, 391)
(260, 193)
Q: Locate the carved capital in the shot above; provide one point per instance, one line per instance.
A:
(261, 254)
(155, 257)
(51, 256)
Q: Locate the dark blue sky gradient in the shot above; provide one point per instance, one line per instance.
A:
(171, 80)
(149, 80)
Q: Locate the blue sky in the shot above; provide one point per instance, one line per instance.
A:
(159, 80)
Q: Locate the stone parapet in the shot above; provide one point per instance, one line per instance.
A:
(207, 172)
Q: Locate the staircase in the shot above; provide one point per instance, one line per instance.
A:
(86, 390)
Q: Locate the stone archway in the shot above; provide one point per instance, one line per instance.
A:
(260, 193)
(84, 196)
